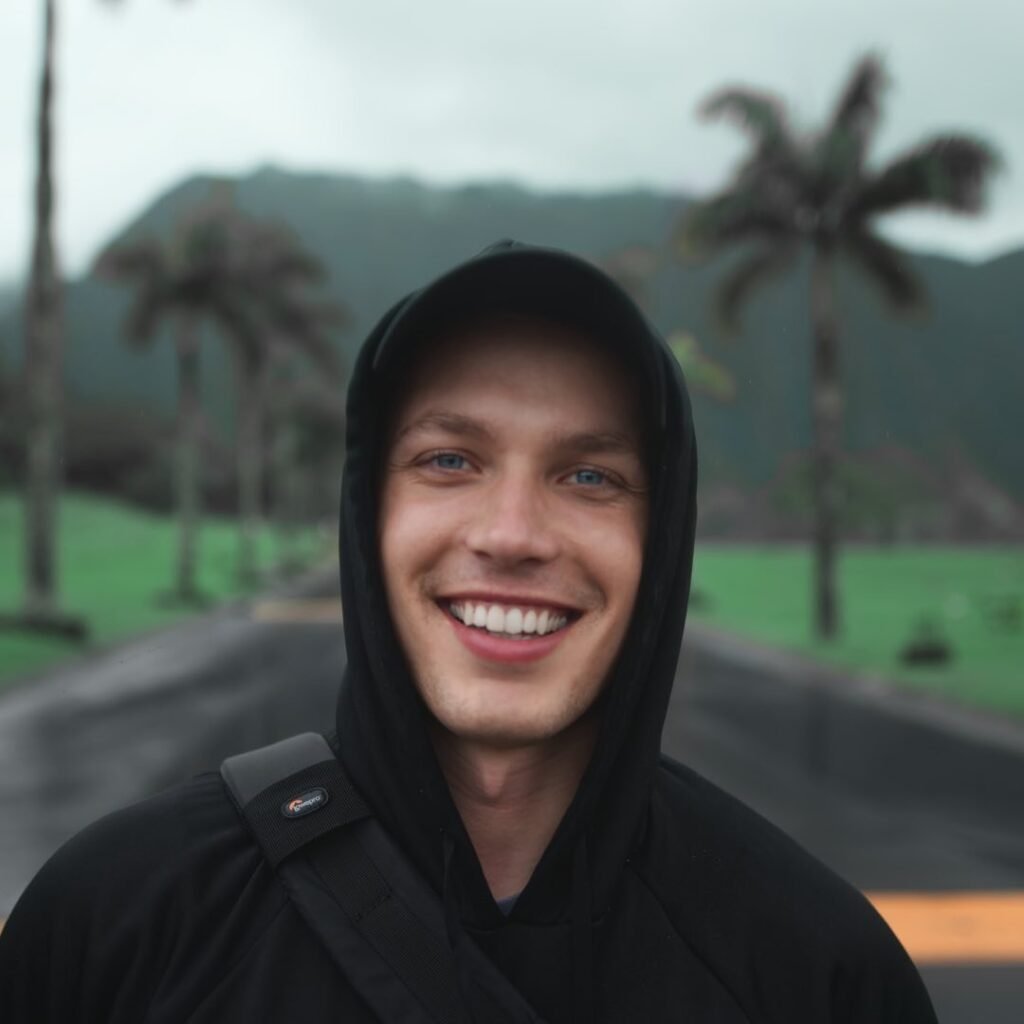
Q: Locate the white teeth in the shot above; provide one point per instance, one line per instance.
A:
(508, 621)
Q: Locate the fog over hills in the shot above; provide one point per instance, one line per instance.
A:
(942, 391)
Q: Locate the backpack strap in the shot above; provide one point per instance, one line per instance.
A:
(291, 793)
(306, 816)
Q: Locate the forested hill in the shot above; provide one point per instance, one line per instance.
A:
(947, 387)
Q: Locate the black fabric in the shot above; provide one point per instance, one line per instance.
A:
(167, 912)
(699, 910)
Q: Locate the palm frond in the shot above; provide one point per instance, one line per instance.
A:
(759, 114)
(751, 274)
(305, 325)
(239, 322)
(275, 253)
(128, 261)
(733, 216)
(950, 171)
(853, 122)
(887, 269)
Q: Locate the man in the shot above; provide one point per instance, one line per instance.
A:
(516, 540)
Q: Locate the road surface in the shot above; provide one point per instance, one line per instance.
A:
(131, 721)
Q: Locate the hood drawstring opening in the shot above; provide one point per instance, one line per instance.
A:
(584, 996)
(583, 981)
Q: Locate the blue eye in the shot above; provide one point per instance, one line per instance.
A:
(448, 460)
(590, 477)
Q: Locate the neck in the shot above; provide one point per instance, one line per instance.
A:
(511, 799)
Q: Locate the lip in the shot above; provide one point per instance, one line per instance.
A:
(511, 652)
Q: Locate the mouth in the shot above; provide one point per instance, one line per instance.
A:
(509, 633)
(510, 621)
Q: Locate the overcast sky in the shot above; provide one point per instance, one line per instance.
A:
(587, 94)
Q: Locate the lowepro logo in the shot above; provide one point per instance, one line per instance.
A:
(304, 803)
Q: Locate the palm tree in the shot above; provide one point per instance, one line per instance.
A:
(187, 280)
(794, 193)
(276, 313)
(250, 279)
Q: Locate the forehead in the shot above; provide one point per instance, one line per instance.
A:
(522, 366)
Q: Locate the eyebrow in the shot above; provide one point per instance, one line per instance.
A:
(583, 441)
(450, 423)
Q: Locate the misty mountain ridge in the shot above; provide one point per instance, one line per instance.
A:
(941, 393)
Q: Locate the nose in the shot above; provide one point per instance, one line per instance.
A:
(512, 523)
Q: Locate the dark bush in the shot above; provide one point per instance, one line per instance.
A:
(927, 645)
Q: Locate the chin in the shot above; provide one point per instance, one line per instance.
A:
(504, 720)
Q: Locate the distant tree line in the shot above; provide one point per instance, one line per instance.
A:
(254, 285)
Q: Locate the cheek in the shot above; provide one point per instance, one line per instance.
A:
(616, 550)
(396, 535)
(411, 535)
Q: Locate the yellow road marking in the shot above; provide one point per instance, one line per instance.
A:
(956, 927)
(327, 609)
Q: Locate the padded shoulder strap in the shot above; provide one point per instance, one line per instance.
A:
(291, 793)
(295, 794)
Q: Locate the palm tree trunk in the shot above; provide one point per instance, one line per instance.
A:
(827, 403)
(277, 470)
(187, 475)
(286, 496)
(250, 463)
(43, 364)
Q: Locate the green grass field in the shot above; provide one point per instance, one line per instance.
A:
(116, 562)
(974, 598)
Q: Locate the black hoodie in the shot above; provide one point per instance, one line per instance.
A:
(659, 898)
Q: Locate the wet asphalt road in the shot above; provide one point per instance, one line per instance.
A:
(129, 722)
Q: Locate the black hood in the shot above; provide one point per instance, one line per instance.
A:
(381, 720)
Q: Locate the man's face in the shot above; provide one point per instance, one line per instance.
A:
(512, 523)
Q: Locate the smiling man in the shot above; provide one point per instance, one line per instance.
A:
(512, 525)
(492, 835)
